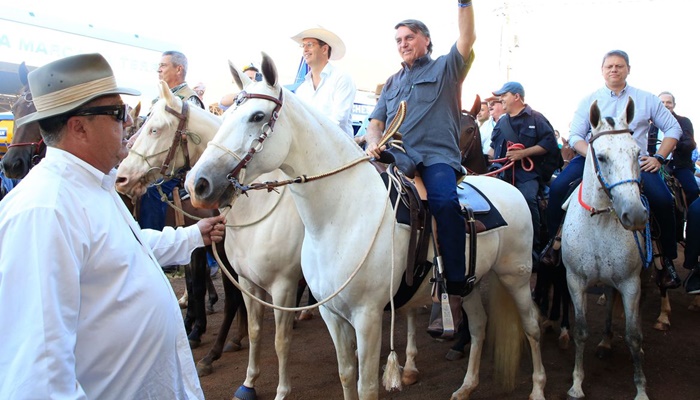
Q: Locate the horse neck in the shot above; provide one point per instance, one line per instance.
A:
(317, 148)
(205, 129)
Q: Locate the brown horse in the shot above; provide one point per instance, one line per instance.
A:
(27, 147)
(470, 141)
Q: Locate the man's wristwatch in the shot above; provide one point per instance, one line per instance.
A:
(661, 159)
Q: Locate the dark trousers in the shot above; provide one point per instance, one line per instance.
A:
(660, 199)
(687, 180)
(153, 209)
(692, 236)
(529, 190)
(441, 186)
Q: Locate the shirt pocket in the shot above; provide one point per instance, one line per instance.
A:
(528, 137)
(425, 90)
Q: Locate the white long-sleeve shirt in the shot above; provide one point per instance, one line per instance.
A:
(86, 310)
(333, 97)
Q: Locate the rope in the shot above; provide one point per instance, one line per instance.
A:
(527, 163)
(647, 237)
(308, 307)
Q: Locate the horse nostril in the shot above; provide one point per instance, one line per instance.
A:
(201, 188)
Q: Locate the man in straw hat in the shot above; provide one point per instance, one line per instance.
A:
(326, 87)
(432, 91)
(91, 313)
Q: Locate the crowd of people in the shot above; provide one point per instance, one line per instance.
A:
(87, 270)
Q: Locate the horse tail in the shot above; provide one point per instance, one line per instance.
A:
(505, 334)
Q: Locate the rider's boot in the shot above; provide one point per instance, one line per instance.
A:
(436, 329)
(667, 277)
(692, 281)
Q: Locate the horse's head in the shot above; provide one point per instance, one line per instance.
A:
(236, 152)
(470, 140)
(138, 121)
(169, 140)
(27, 147)
(613, 158)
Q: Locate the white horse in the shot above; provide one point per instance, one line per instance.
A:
(263, 234)
(598, 243)
(352, 240)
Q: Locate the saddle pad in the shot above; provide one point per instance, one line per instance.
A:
(491, 218)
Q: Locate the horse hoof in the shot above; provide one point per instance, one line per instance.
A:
(454, 355)
(305, 315)
(245, 393)
(662, 326)
(603, 353)
(409, 378)
(204, 369)
(232, 346)
(210, 309)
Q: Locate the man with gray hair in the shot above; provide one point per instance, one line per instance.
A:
(173, 70)
(432, 91)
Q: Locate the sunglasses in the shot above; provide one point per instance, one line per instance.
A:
(120, 112)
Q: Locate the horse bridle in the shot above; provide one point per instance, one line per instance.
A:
(265, 131)
(179, 141)
(468, 150)
(35, 146)
(607, 187)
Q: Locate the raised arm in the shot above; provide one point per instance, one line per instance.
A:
(467, 33)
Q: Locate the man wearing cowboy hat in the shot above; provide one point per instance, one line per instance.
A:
(327, 88)
(98, 318)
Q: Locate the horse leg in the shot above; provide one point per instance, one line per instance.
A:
(284, 321)
(456, 352)
(343, 336)
(409, 376)
(213, 296)
(630, 291)
(255, 318)
(695, 304)
(477, 329)
(663, 321)
(233, 301)
(189, 311)
(565, 325)
(577, 289)
(197, 296)
(368, 337)
(604, 349)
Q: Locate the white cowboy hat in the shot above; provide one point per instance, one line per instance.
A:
(66, 84)
(336, 44)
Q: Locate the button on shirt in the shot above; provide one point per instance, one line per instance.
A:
(86, 309)
(333, 97)
(646, 107)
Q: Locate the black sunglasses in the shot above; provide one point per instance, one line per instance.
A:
(119, 112)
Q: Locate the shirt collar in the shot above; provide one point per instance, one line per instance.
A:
(107, 181)
(421, 61)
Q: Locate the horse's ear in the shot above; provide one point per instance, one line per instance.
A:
(239, 78)
(476, 107)
(137, 109)
(23, 71)
(269, 71)
(629, 110)
(166, 94)
(594, 114)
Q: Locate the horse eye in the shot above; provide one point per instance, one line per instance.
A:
(257, 116)
(602, 158)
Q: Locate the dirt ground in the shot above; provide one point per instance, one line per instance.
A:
(672, 359)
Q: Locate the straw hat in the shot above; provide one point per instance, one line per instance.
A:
(66, 84)
(336, 44)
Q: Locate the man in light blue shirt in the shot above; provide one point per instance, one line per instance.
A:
(612, 99)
